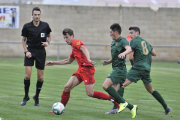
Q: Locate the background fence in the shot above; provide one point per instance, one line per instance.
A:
(107, 46)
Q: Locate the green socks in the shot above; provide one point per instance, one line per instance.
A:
(159, 98)
(111, 91)
(121, 93)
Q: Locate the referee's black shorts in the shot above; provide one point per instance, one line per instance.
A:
(38, 55)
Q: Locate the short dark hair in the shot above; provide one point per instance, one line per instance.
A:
(136, 29)
(116, 27)
(36, 9)
(68, 30)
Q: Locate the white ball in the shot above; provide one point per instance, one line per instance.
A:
(58, 108)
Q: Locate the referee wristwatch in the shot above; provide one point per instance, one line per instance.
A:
(48, 41)
(26, 52)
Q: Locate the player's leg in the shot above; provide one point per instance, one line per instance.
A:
(158, 97)
(116, 76)
(126, 83)
(133, 108)
(28, 71)
(40, 58)
(111, 91)
(39, 84)
(73, 81)
(120, 92)
(133, 75)
(97, 94)
(107, 86)
(28, 63)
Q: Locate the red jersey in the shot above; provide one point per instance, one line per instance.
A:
(78, 54)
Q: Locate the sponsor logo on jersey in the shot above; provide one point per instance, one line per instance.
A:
(42, 34)
(116, 43)
(78, 43)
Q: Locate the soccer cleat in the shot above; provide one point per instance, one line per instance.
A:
(134, 111)
(36, 100)
(112, 111)
(168, 109)
(25, 99)
(122, 106)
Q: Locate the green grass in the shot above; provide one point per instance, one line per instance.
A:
(165, 75)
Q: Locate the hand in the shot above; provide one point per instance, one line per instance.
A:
(49, 63)
(92, 62)
(105, 62)
(121, 56)
(45, 44)
(28, 54)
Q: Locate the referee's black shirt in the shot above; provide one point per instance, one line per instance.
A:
(35, 35)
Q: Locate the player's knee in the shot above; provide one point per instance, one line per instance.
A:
(67, 88)
(150, 90)
(105, 86)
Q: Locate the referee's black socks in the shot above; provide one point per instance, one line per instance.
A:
(26, 87)
(38, 88)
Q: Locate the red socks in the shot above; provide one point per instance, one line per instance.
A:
(100, 95)
(65, 98)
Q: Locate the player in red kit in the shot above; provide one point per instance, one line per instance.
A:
(85, 71)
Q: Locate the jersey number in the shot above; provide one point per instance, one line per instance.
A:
(144, 48)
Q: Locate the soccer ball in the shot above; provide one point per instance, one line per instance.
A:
(58, 108)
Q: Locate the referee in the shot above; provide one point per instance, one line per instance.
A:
(35, 36)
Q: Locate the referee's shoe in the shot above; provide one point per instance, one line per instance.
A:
(25, 99)
(36, 100)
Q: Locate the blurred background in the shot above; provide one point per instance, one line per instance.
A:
(159, 21)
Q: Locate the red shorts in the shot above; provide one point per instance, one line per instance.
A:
(85, 74)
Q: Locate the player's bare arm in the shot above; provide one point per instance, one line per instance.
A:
(122, 55)
(61, 62)
(86, 53)
(131, 58)
(28, 54)
(153, 52)
(45, 44)
(106, 62)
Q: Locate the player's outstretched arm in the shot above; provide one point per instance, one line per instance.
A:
(28, 54)
(86, 53)
(106, 62)
(122, 55)
(61, 62)
(131, 58)
(153, 52)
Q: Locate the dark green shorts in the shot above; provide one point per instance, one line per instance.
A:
(118, 75)
(134, 75)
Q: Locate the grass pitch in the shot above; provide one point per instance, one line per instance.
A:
(165, 75)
